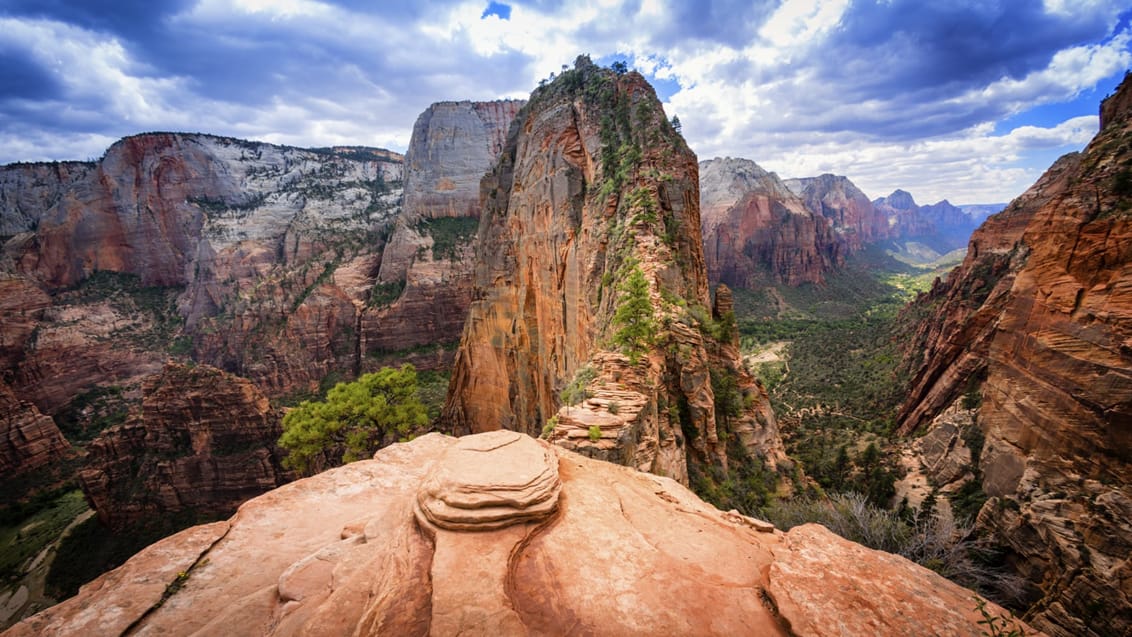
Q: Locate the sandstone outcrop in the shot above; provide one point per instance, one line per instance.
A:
(204, 442)
(595, 191)
(757, 231)
(611, 551)
(855, 220)
(28, 439)
(1036, 322)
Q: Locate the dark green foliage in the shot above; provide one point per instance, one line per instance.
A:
(432, 387)
(748, 487)
(385, 293)
(91, 411)
(355, 421)
(26, 530)
(449, 235)
(91, 549)
(635, 317)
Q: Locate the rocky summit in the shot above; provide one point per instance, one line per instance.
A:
(591, 321)
(501, 534)
(1033, 332)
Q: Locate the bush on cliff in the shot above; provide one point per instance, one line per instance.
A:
(354, 421)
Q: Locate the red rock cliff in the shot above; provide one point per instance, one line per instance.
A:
(595, 189)
(855, 220)
(204, 442)
(756, 230)
(1038, 321)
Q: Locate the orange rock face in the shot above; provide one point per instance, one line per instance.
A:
(1038, 320)
(548, 543)
(593, 185)
(205, 441)
(756, 230)
(28, 439)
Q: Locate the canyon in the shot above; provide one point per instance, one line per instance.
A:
(561, 256)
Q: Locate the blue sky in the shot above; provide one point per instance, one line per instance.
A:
(964, 100)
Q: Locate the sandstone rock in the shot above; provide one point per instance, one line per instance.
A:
(624, 552)
(453, 145)
(754, 228)
(1037, 318)
(855, 220)
(563, 228)
(28, 439)
(205, 441)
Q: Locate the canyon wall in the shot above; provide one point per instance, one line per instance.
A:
(855, 220)
(756, 230)
(203, 443)
(1034, 328)
(590, 318)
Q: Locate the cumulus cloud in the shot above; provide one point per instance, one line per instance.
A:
(930, 97)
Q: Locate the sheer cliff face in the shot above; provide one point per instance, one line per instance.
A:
(204, 442)
(854, 218)
(594, 189)
(755, 227)
(1038, 320)
(429, 256)
(267, 254)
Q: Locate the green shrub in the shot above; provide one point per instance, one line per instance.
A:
(595, 433)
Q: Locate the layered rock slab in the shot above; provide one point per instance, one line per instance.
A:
(623, 552)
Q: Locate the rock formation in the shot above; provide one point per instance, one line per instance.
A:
(28, 439)
(855, 220)
(590, 279)
(562, 545)
(244, 238)
(429, 261)
(947, 226)
(757, 231)
(1037, 323)
(204, 442)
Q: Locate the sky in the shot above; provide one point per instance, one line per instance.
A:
(965, 100)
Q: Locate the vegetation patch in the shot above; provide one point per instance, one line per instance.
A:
(23, 539)
(449, 235)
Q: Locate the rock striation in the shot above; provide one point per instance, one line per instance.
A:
(29, 440)
(1035, 325)
(204, 442)
(246, 237)
(616, 552)
(756, 230)
(594, 193)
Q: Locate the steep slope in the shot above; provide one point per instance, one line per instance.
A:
(428, 262)
(203, 442)
(590, 286)
(1038, 322)
(944, 226)
(756, 229)
(855, 220)
(562, 545)
(266, 253)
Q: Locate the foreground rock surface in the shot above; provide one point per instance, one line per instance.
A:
(613, 551)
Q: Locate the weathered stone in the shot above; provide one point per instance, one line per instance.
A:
(756, 230)
(624, 553)
(28, 439)
(205, 442)
(1037, 320)
(562, 232)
